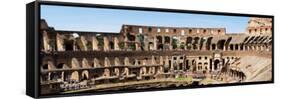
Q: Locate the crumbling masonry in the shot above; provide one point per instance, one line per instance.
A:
(141, 55)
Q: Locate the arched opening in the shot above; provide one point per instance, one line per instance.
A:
(187, 67)
(199, 66)
(175, 42)
(213, 46)
(188, 42)
(69, 44)
(45, 66)
(193, 64)
(167, 39)
(202, 40)
(236, 46)
(85, 75)
(246, 39)
(231, 47)
(221, 44)
(149, 29)
(111, 45)
(74, 76)
(208, 43)
(131, 37)
(100, 41)
(160, 46)
(196, 42)
(228, 42)
(250, 40)
(75, 63)
(216, 64)
(241, 47)
(150, 46)
(159, 39)
(60, 65)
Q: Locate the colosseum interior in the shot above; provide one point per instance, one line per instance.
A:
(140, 57)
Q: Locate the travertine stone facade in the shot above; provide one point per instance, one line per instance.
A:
(73, 60)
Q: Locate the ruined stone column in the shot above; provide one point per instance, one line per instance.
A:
(46, 41)
(60, 43)
(75, 63)
(95, 43)
(116, 44)
(84, 42)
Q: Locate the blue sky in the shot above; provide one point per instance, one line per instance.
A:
(111, 20)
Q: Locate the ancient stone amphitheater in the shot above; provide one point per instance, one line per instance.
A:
(140, 57)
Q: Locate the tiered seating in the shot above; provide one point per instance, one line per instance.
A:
(255, 68)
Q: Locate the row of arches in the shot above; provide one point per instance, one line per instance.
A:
(104, 43)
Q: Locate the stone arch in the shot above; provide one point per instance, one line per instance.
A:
(111, 45)
(85, 63)
(85, 75)
(75, 63)
(49, 65)
(246, 39)
(83, 43)
(74, 76)
(106, 44)
(199, 66)
(96, 63)
(175, 41)
(256, 39)
(214, 46)
(69, 44)
(208, 43)
(167, 40)
(131, 37)
(227, 43)
(231, 47)
(95, 43)
(159, 39)
(60, 42)
(106, 62)
(216, 64)
(160, 46)
(189, 42)
(116, 44)
(150, 46)
(193, 64)
(221, 44)
(196, 43)
(201, 43)
(127, 61)
(61, 66)
(117, 61)
(206, 65)
(46, 41)
(236, 47)
(251, 39)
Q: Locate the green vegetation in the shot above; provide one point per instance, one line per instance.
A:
(188, 78)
